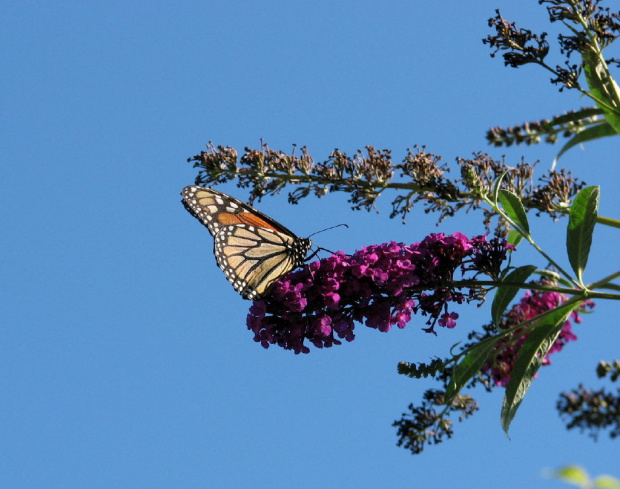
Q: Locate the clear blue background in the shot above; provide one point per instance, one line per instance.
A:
(124, 353)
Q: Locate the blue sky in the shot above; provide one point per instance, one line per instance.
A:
(125, 360)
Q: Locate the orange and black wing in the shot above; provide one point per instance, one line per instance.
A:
(252, 249)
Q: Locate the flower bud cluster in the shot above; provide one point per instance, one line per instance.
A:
(380, 286)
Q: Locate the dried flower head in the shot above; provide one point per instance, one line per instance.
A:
(366, 175)
(521, 45)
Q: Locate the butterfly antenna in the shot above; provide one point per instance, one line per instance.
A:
(318, 248)
(327, 229)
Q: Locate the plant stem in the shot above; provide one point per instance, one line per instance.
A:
(589, 294)
(530, 240)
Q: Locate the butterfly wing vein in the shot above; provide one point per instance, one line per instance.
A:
(252, 249)
(253, 258)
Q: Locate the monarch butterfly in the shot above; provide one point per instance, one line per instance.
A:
(252, 249)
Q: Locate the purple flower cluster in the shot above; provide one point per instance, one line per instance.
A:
(379, 286)
(530, 306)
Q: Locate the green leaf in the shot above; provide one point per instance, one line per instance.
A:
(514, 208)
(498, 186)
(514, 237)
(611, 286)
(531, 354)
(573, 474)
(575, 117)
(603, 87)
(595, 131)
(606, 482)
(581, 221)
(505, 293)
(469, 366)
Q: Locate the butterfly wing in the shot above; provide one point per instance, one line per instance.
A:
(252, 249)
(254, 258)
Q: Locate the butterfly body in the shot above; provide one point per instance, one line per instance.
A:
(252, 249)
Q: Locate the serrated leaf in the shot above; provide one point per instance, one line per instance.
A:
(595, 131)
(505, 293)
(531, 354)
(581, 221)
(514, 208)
(469, 366)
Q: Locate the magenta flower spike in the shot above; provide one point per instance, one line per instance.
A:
(380, 286)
